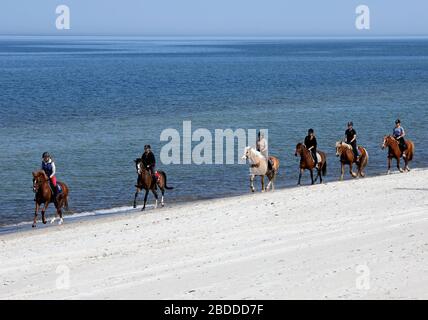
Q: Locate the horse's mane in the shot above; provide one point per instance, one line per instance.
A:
(40, 173)
(344, 144)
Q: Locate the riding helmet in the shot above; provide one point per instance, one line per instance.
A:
(310, 131)
(46, 155)
(350, 123)
(147, 146)
(397, 121)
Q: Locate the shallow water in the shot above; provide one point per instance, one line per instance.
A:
(94, 102)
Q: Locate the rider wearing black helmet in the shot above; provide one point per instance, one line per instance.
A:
(351, 138)
(399, 134)
(311, 144)
(149, 161)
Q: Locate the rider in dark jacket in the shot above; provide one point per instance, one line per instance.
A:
(351, 138)
(311, 144)
(149, 161)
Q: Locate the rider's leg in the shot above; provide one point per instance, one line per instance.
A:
(314, 155)
(355, 150)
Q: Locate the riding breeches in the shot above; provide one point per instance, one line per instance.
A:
(402, 144)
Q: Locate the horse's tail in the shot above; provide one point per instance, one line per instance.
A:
(412, 151)
(324, 168)
(164, 177)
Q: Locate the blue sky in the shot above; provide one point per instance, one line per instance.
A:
(215, 17)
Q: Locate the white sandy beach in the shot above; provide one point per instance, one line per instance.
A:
(304, 243)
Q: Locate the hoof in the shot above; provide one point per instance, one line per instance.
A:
(143, 209)
(388, 172)
(44, 221)
(61, 221)
(53, 220)
(33, 225)
(162, 205)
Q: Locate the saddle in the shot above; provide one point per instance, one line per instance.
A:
(318, 157)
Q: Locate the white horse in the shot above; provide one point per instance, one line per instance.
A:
(259, 167)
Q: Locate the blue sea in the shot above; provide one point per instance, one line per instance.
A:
(94, 102)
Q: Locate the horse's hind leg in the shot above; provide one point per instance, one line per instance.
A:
(252, 183)
(262, 178)
(163, 193)
(312, 177)
(35, 215)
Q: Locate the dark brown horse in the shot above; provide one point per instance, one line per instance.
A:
(347, 157)
(145, 181)
(395, 152)
(44, 195)
(307, 163)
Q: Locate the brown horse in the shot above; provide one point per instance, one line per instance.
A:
(259, 167)
(395, 152)
(347, 157)
(307, 162)
(145, 181)
(44, 195)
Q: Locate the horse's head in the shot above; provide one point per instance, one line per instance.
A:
(138, 165)
(246, 154)
(340, 146)
(299, 148)
(39, 177)
(386, 142)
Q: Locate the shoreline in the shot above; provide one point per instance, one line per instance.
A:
(124, 210)
(293, 243)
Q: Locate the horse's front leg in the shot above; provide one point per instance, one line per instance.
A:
(342, 171)
(35, 215)
(351, 171)
(252, 183)
(135, 197)
(388, 171)
(398, 165)
(156, 197)
(45, 207)
(300, 177)
(262, 178)
(145, 199)
(312, 176)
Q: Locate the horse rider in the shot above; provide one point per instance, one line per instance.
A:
(311, 144)
(48, 166)
(262, 147)
(351, 138)
(149, 161)
(399, 134)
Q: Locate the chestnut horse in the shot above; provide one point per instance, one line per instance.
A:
(347, 157)
(259, 167)
(307, 162)
(145, 181)
(44, 195)
(395, 152)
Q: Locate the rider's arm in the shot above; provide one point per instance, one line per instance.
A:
(53, 169)
(403, 133)
(355, 137)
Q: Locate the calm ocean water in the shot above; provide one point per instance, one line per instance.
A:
(94, 102)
